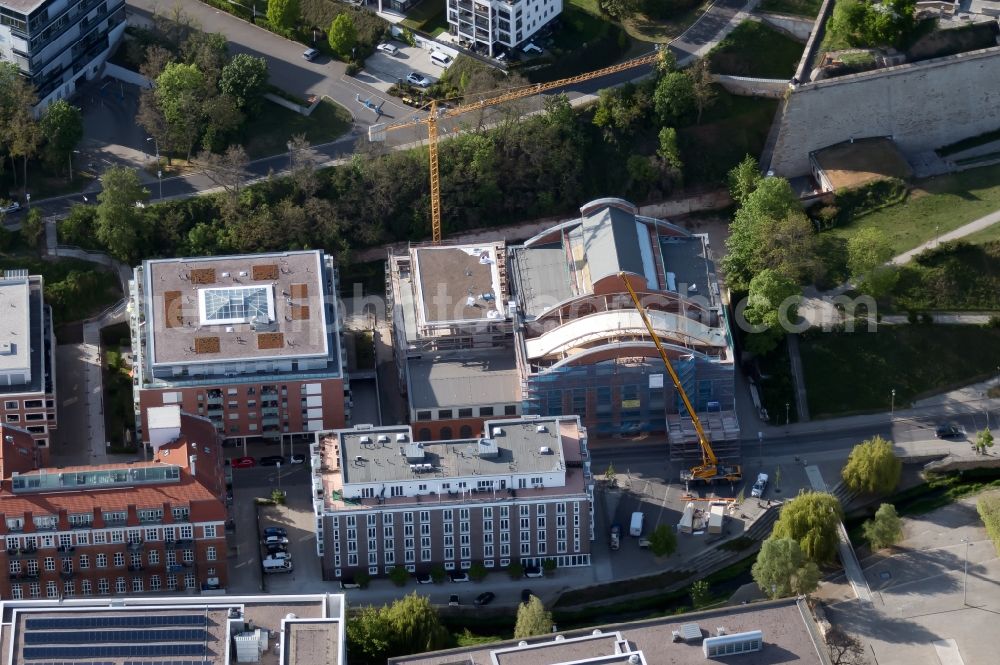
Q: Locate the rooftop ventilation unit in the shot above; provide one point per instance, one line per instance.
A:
(634, 659)
(732, 645)
(414, 452)
(488, 449)
(689, 632)
(541, 429)
(383, 438)
(497, 431)
(401, 437)
(544, 450)
(365, 440)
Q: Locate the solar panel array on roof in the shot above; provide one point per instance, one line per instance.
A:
(114, 651)
(122, 620)
(104, 636)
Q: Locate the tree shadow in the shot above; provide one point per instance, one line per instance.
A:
(869, 622)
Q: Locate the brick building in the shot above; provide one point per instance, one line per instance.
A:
(452, 337)
(522, 495)
(27, 359)
(131, 528)
(250, 342)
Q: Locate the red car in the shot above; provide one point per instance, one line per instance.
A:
(243, 462)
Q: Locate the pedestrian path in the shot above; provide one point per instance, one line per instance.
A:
(855, 575)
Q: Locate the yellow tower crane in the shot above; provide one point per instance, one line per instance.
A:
(709, 469)
(378, 132)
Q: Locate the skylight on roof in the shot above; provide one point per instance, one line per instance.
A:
(236, 304)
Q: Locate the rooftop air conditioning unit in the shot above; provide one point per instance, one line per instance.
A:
(365, 440)
(541, 429)
(544, 450)
(401, 437)
(383, 438)
(497, 431)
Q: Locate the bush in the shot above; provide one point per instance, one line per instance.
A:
(516, 571)
(549, 566)
(989, 511)
(477, 572)
(399, 575)
(362, 579)
(438, 574)
(278, 497)
(859, 201)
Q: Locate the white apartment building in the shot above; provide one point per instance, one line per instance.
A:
(522, 495)
(55, 43)
(489, 24)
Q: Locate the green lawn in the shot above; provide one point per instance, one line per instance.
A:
(856, 372)
(958, 276)
(661, 30)
(75, 289)
(935, 206)
(990, 234)
(268, 133)
(430, 17)
(808, 8)
(757, 50)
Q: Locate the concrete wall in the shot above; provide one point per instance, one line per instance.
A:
(752, 87)
(127, 75)
(922, 106)
(796, 27)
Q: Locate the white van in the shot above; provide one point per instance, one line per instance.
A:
(278, 565)
(635, 528)
(439, 58)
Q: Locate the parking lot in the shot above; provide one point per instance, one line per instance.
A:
(383, 71)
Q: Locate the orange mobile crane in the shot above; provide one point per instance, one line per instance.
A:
(710, 469)
(434, 115)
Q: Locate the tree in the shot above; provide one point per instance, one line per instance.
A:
(673, 98)
(180, 94)
(154, 60)
(244, 78)
(703, 86)
(343, 35)
(77, 228)
(700, 594)
(844, 649)
(283, 13)
(619, 110)
(769, 231)
(984, 440)
(668, 150)
(399, 575)
(610, 477)
(867, 253)
(872, 466)
(515, 570)
(885, 529)
(532, 619)
(368, 636)
(743, 179)
(32, 227)
(619, 9)
(416, 626)
(811, 519)
(663, 541)
(227, 170)
(118, 217)
(223, 119)
(438, 573)
(782, 569)
(772, 298)
(477, 572)
(209, 52)
(62, 125)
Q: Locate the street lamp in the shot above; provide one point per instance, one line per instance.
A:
(291, 165)
(965, 582)
(159, 172)
(786, 414)
(892, 404)
(71, 153)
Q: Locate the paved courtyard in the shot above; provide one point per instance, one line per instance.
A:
(382, 70)
(926, 611)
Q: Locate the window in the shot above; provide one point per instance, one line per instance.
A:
(51, 590)
(188, 556)
(84, 562)
(34, 589)
(486, 411)
(14, 567)
(120, 586)
(171, 583)
(103, 587)
(83, 538)
(50, 563)
(189, 581)
(88, 587)
(134, 536)
(444, 414)
(154, 583)
(152, 534)
(423, 415)
(32, 567)
(69, 588)
(182, 514)
(15, 592)
(465, 413)
(210, 554)
(45, 521)
(101, 560)
(114, 516)
(100, 537)
(187, 532)
(65, 540)
(210, 531)
(119, 559)
(10, 405)
(150, 514)
(510, 409)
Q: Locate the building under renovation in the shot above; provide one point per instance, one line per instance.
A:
(582, 348)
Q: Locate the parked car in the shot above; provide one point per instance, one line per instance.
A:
(525, 595)
(348, 583)
(271, 460)
(275, 540)
(616, 536)
(949, 431)
(453, 600)
(459, 577)
(416, 79)
(279, 554)
(275, 531)
(13, 206)
(485, 598)
(310, 54)
(387, 48)
(533, 571)
(297, 458)
(243, 463)
(644, 543)
(758, 488)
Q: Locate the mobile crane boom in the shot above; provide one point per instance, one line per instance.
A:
(377, 132)
(709, 468)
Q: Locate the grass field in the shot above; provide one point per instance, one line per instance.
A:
(956, 276)
(935, 206)
(855, 372)
(268, 133)
(429, 16)
(990, 234)
(755, 49)
(808, 8)
(661, 30)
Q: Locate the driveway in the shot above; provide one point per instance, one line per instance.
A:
(383, 71)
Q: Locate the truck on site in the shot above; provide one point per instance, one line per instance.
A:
(710, 469)
(635, 527)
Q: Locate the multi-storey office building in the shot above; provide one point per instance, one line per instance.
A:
(495, 24)
(158, 630)
(130, 528)
(27, 359)
(250, 342)
(522, 495)
(452, 337)
(582, 347)
(55, 43)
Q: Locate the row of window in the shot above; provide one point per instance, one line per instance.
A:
(180, 514)
(448, 514)
(113, 536)
(30, 566)
(15, 405)
(483, 412)
(69, 587)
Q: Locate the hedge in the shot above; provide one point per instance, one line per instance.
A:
(989, 512)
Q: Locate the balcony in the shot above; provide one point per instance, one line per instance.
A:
(170, 544)
(186, 543)
(65, 548)
(30, 549)
(135, 546)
